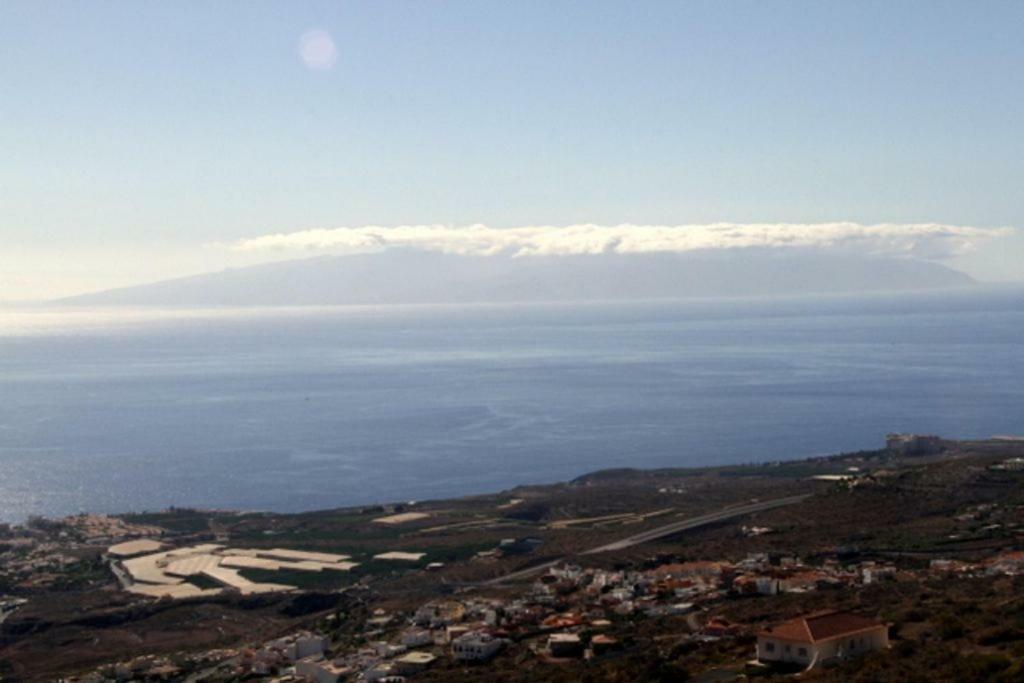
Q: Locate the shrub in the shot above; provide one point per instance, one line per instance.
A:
(949, 627)
(1000, 634)
(914, 615)
(979, 667)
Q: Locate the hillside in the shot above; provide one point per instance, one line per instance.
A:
(940, 534)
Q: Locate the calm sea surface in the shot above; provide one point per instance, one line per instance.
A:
(289, 410)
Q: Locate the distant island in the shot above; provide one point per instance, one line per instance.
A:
(405, 276)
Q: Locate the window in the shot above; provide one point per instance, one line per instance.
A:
(769, 646)
(802, 652)
(787, 648)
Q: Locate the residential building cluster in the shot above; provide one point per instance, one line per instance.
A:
(570, 612)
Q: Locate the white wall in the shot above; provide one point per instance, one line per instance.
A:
(788, 651)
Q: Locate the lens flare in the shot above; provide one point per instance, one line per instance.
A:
(317, 50)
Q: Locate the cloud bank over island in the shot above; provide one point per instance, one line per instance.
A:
(931, 241)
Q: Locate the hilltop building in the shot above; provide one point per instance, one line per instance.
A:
(814, 639)
(478, 647)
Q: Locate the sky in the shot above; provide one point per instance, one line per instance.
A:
(143, 140)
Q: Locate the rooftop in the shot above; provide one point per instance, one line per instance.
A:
(820, 626)
(129, 548)
(416, 658)
(399, 555)
(402, 518)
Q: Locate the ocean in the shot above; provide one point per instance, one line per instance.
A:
(296, 409)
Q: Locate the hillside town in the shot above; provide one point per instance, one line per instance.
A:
(752, 595)
(577, 613)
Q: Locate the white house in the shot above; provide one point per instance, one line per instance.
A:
(321, 670)
(475, 647)
(417, 637)
(299, 646)
(814, 639)
(308, 644)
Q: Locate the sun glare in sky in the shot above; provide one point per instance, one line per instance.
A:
(317, 50)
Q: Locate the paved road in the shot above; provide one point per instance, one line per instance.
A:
(694, 522)
(523, 573)
(659, 532)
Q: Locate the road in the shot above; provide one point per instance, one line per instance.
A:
(659, 532)
(693, 523)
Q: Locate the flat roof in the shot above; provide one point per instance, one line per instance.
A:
(195, 549)
(146, 569)
(402, 518)
(417, 658)
(177, 591)
(286, 554)
(399, 555)
(250, 562)
(161, 574)
(138, 547)
(341, 566)
(192, 565)
(232, 579)
(228, 577)
(254, 588)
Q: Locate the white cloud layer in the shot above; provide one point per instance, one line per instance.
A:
(921, 240)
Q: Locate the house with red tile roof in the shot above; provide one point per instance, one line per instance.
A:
(813, 639)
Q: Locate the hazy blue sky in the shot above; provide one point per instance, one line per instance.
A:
(133, 135)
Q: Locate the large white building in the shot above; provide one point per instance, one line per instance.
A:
(417, 637)
(814, 639)
(475, 647)
(321, 671)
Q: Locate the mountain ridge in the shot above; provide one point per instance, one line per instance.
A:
(410, 277)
